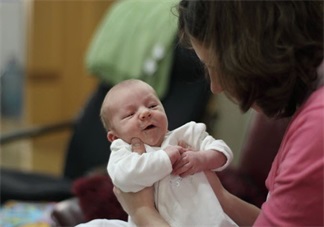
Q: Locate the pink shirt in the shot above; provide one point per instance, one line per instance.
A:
(296, 178)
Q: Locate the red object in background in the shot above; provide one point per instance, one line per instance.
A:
(96, 198)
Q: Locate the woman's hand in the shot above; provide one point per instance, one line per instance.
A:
(137, 145)
(131, 202)
(140, 205)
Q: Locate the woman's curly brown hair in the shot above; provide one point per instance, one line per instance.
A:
(266, 52)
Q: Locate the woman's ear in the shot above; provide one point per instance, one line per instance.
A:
(111, 136)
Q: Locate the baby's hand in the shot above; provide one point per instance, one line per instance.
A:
(188, 164)
(174, 153)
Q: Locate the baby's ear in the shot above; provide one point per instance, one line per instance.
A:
(111, 136)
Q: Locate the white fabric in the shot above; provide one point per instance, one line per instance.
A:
(104, 223)
(188, 201)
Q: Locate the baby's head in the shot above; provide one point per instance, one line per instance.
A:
(133, 109)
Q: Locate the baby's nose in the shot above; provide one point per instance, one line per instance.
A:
(146, 113)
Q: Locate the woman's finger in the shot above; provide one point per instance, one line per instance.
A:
(137, 146)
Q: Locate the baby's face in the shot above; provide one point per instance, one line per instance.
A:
(137, 112)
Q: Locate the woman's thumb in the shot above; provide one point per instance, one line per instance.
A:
(137, 146)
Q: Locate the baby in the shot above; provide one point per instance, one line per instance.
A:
(183, 195)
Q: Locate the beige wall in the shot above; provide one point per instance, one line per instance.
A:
(231, 124)
(57, 83)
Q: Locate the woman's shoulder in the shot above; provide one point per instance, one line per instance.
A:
(313, 108)
(298, 166)
(317, 97)
(304, 136)
(306, 129)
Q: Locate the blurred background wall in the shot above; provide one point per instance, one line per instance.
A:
(48, 40)
(12, 77)
(43, 45)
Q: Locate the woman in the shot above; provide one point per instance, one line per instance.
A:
(265, 55)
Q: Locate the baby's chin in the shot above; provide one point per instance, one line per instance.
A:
(153, 142)
(148, 141)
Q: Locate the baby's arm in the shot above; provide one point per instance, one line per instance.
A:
(131, 172)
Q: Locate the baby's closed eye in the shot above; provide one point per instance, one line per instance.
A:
(127, 115)
(152, 106)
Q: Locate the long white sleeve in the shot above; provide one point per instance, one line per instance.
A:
(132, 172)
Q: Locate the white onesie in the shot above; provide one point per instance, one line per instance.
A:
(188, 201)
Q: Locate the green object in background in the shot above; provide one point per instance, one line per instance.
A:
(135, 40)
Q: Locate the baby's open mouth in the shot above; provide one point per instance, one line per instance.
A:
(149, 127)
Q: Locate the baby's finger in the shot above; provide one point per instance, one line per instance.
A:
(137, 146)
(184, 146)
(188, 172)
(180, 167)
(181, 171)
